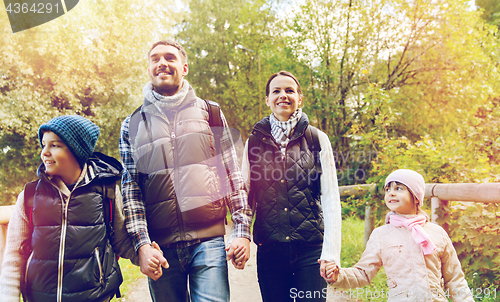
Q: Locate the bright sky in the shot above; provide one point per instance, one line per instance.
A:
(472, 4)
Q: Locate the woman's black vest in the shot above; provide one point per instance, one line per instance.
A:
(72, 257)
(285, 189)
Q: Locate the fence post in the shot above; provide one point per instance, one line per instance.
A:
(435, 204)
(369, 223)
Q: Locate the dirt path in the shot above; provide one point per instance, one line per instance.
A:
(243, 284)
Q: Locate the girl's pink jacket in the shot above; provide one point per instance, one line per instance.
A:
(411, 275)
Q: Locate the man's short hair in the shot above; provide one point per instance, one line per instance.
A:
(171, 43)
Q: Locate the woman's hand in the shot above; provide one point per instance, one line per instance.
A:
(329, 271)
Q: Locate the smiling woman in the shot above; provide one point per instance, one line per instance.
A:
(297, 207)
(283, 96)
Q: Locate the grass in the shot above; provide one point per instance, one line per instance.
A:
(352, 249)
(131, 274)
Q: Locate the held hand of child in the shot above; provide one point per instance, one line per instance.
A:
(151, 259)
(238, 252)
(157, 247)
(329, 271)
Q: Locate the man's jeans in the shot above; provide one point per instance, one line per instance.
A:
(288, 271)
(205, 264)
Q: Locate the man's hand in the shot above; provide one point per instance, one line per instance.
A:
(238, 252)
(329, 271)
(151, 260)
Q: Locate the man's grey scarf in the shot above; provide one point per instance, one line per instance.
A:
(164, 103)
(282, 131)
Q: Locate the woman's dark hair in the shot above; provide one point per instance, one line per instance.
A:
(283, 73)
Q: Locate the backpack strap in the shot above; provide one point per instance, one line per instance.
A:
(26, 249)
(312, 139)
(215, 122)
(253, 142)
(29, 196)
(133, 126)
(108, 198)
(311, 135)
(217, 126)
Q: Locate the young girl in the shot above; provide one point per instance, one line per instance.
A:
(418, 256)
(297, 208)
(68, 255)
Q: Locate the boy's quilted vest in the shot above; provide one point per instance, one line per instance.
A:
(71, 249)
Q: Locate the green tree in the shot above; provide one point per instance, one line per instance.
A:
(431, 59)
(233, 48)
(491, 11)
(91, 62)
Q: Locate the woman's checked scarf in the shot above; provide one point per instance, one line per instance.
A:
(282, 131)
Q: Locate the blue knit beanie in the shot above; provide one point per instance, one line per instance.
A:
(78, 133)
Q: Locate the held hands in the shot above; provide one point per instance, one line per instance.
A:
(151, 260)
(329, 271)
(238, 252)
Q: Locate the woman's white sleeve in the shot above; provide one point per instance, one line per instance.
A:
(245, 168)
(330, 202)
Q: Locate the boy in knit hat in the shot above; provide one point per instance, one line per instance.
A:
(418, 257)
(59, 243)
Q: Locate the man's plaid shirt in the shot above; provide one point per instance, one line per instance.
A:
(135, 210)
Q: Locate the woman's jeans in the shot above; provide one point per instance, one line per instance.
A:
(289, 271)
(205, 264)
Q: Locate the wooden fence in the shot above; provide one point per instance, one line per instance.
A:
(439, 194)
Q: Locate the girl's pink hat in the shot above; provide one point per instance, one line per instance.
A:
(411, 179)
